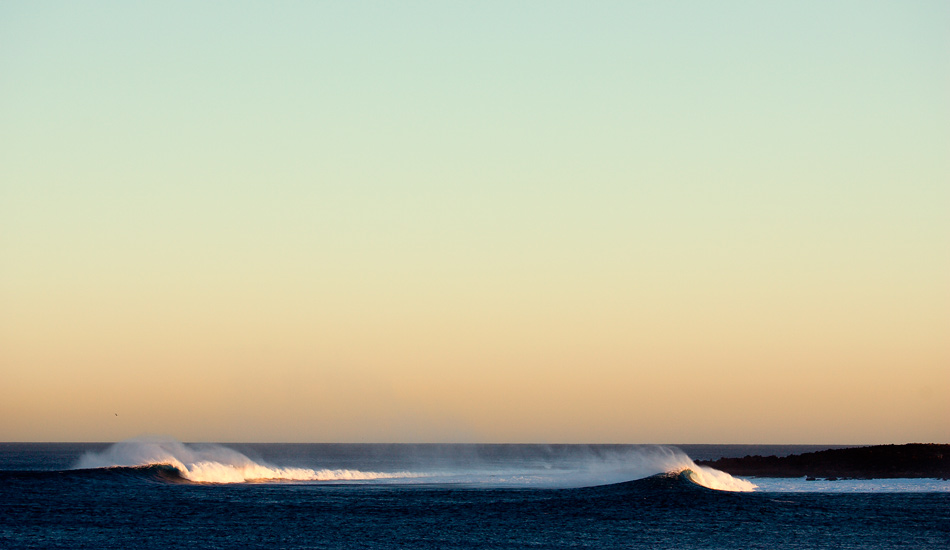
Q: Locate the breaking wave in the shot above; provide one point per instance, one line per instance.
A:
(581, 467)
(651, 460)
(206, 463)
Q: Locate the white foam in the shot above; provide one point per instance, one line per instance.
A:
(719, 480)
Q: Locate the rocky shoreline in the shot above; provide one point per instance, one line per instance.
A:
(913, 460)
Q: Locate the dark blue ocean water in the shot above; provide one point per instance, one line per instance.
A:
(434, 497)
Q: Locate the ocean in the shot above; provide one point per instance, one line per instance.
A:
(166, 494)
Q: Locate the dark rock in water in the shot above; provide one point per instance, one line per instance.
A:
(913, 460)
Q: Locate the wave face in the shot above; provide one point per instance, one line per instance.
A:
(525, 466)
(207, 463)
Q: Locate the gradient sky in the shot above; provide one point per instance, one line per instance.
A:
(626, 222)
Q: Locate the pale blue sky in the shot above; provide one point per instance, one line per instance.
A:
(488, 221)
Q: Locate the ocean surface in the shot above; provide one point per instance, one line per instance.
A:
(166, 494)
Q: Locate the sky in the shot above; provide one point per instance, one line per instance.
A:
(538, 222)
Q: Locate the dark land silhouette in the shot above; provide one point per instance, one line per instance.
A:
(913, 460)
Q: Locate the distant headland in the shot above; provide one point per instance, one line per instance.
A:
(913, 460)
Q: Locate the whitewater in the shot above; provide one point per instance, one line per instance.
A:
(582, 467)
